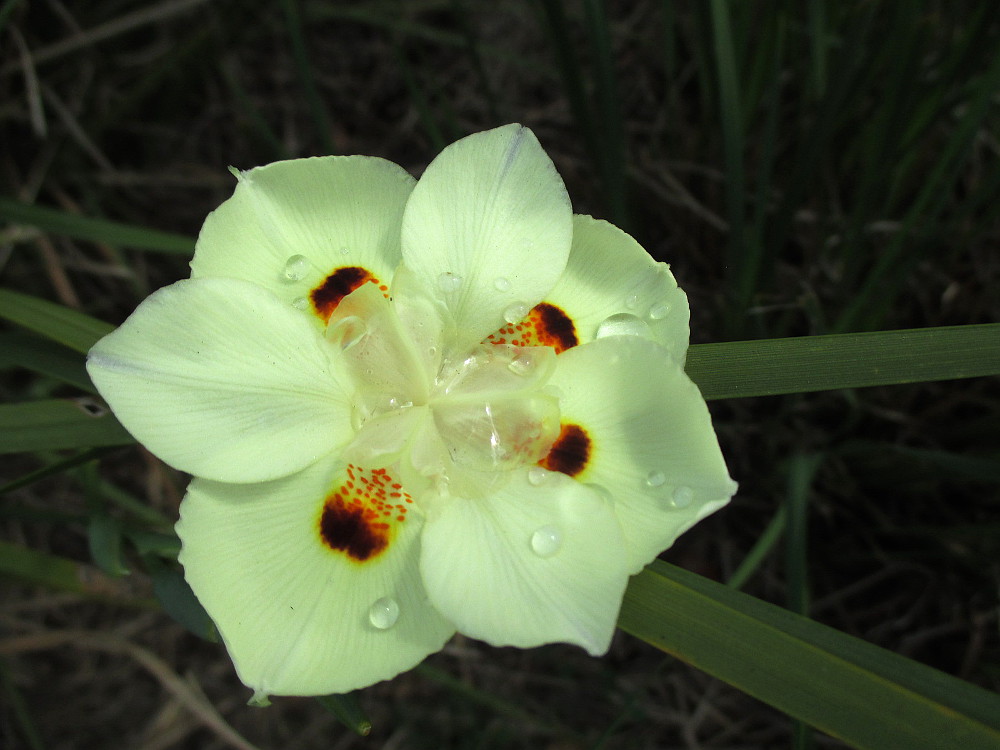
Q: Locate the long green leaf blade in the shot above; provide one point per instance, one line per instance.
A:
(94, 230)
(862, 694)
(739, 369)
(55, 424)
(53, 321)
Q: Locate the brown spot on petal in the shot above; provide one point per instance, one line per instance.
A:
(338, 285)
(358, 517)
(554, 327)
(544, 325)
(570, 452)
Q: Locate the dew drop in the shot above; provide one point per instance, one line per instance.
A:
(622, 324)
(537, 475)
(655, 479)
(546, 541)
(383, 613)
(682, 497)
(300, 303)
(296, 267)
(344, 250)
(632, 301)
(449, 282)
(659, 311)
(501, 284)
(515, 313)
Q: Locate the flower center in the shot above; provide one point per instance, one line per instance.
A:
(450, 423)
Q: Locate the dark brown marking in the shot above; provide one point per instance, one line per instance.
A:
(349, 529)
(335, 287)
(554, 327)
(570, 452)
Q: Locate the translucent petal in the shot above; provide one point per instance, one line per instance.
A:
(290, 224)
(611, 285)
(222, 380)
(536, 563)
(298, 617)
(653, 447)
(488, 227)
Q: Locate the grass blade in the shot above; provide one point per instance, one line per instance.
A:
(739, 369)
(94, 230)
(55, 424)
(68, 327)
(857, 692)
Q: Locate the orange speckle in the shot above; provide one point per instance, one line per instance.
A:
(351, 519)
(545, 325)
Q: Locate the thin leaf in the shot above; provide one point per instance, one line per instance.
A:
(348, 710)
(739, 369)
(69, 327)
(857, 692)
(55, 424)
(45, 357)
(94, 230)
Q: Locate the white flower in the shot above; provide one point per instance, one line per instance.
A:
(412, 408)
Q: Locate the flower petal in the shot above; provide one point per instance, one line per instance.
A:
(536, 563)
(290, 226)
(488, 228)
(307, 603)
(611, 285)
(222, 380)
(647, 438)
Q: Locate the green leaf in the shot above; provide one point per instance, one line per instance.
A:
(178, 600)
(739, 369)
(857, 692)
(95, 230)
(46, 357)
(55, 424)
(104, 537)
(69, 327)
(347, 708)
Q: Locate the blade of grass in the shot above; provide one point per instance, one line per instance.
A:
(881, 284)
(68, 327)
(348, 711)
(57, 424)
(424, 110)
(743, 260)
(760, 550)
(93, 230)
(19, 708)
(51, 469)
(321, 120)
(857, 692)
(611, 148)
(21, 349)
(739, 369)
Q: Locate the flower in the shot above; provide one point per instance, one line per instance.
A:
(412, 408)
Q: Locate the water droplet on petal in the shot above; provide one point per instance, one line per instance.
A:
(537, 475)
(659, 311)
(384, 613)
(655, 479)
(296, 267)
(622, 324)
(632, 301)
(682, 497)
(501, 284)
(344, 250)
(546, 541)
(515, 313)
(300, 303)
(449, 282)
